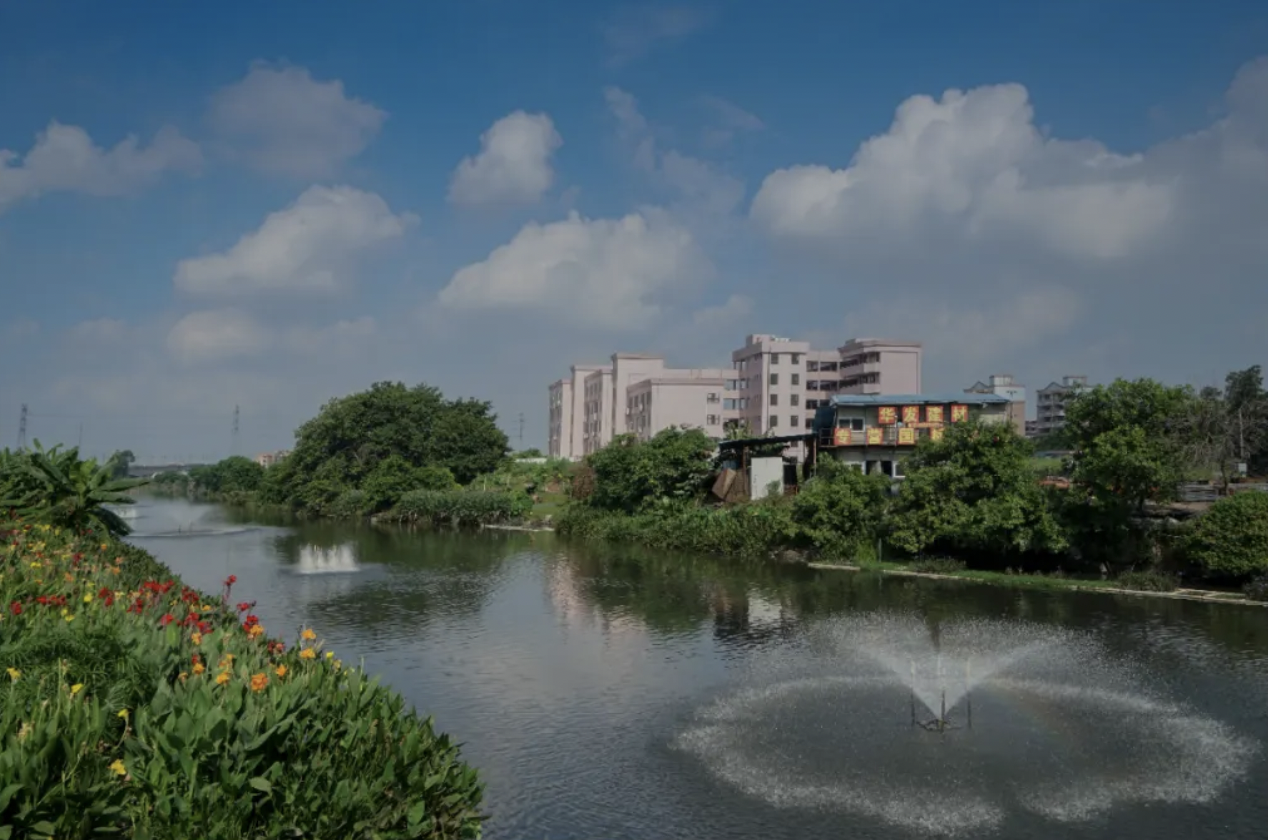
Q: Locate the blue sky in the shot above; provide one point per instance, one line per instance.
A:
(1091, 198)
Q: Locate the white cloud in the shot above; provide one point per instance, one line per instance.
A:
(633, 31)
(514, 163)
(728, 121)
(283, 121)
(64, 159)
(600, 273)
(217, 335)
(340, 338)
(703, 190)
(310, 246)
(977, 164)
(725, 315)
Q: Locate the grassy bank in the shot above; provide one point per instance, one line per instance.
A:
(136, 706)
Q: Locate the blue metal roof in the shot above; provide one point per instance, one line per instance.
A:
(957, 397)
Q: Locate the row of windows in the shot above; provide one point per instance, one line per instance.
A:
(793, 358)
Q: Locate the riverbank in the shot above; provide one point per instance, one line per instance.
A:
(121, 680)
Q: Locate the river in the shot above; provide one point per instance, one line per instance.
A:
(608, 692)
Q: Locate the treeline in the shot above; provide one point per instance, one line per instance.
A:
(134, 706)
(975, 497)
(392, 452)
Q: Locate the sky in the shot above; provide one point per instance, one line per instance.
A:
(269, 205)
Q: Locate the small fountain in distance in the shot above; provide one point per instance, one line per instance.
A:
(318, 560)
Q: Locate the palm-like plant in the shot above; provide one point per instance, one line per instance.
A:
(72, 493)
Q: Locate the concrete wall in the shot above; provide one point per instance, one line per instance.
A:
(881, 366)
(762, 471)
(691, 402)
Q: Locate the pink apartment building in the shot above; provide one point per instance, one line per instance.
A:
(774, 385)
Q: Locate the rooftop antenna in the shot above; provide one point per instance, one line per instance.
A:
(234, 445)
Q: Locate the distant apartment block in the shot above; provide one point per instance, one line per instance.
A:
(635, 394)
(1002, 385)
(268, 459)
(1050, 404)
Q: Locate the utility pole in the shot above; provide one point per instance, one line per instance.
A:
(521, 430)
(22, 428)
(234, 445)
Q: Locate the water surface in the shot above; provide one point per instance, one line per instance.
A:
(616, 693)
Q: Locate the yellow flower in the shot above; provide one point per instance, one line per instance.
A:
(226, 660)
(222, 678)
(197, 638)
(14, 673)
(338, 665)
(280, 670)
(76, 688)
(104, 546)
(308, 635)
(69, 617)
(119, 768)
(255, 630)
(307, 653)
(330, 654)
(199, 667)
(88, 598)
(35, 565)
(123, 713)
(205, 608)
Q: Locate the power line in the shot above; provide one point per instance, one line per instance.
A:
(233, 447)
(521, 430)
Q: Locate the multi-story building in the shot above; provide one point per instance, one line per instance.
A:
(880, 366)
(660, 402)
(1002, 385)
(1050, 404)
(873, 433)
(268, 459)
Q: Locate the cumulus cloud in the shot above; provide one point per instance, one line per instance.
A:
(283, 121)
(726, 314)
(600, 273)
(65, 159)
(217, 335)
(514, 163)
(727, 121)
(309, 247)
(633, 31)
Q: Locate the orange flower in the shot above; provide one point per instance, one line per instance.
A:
(259, 682)
(256, 630)
(308, 635)
(222, 678)
(197, 638)
(280, 671)
(308, 653)
(199, 668)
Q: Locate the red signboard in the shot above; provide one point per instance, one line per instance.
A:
(875, 436)
(911, 414)
(841, 437)
(959, 413)
(906, 437)
(936, 433)
(933, 414)
(887, 415)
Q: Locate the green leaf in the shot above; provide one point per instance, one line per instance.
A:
(261, 784)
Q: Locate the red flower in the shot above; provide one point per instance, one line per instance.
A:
(204, 627)
(231, 580)
(244, 606)
(15, 608)
(103, 592)
(165, 620)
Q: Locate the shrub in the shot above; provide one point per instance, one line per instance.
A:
(135, 706)
(460, 508)
(1231, 539)
(937, 565)
(840, 511)
(632, 475)
(1257, 589)
(742, 530)
(1148, 581)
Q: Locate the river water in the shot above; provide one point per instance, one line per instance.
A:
(607, 692)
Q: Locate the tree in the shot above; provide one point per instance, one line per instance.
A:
(631, 475)
(974, 491)
(841, 510)
(1225, 428)
(394, 477)
(1247, 409)
(1231, 539)
(55, 485)
(341, 447)
(120, 462)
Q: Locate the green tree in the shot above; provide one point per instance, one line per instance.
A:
(1231, 539)
(974, 492)
(393, 477)
(632, 475)
(58, 487)
(120, 462)
(840, 511)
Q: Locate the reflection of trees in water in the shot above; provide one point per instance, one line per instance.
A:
(417, 576)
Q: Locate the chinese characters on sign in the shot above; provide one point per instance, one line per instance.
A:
(906, 437)
(959, 413)
(936, 433)
(911, 415)
(933, 414)
(887, 415)
(841, 437)
(875, 436)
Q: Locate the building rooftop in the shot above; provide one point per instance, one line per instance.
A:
(957, 398)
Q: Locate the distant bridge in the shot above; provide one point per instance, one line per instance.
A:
(150, 470)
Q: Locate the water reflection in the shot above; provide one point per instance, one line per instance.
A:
(570, 672)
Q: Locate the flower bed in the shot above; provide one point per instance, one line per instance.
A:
(138, 707)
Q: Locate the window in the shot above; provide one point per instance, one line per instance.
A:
(796, 379)
(732, 385)
(810, 421)
(713, 420)
(774, 399)
(712, 397)
(774, 421)
(812, 366)
(796, 358)
(730, 403)
(794, 400)
(774, 358)
(774, 379)
(812, 403)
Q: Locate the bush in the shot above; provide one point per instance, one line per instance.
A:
(937, 565)
(632, 475)
(1257, 589)
(741, 530)
(135, 706)
(1231, 539)
(460, 508)
(1148, 581)
(840, 511)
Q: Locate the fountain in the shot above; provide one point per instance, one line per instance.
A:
(316, 560)
(1032, 722)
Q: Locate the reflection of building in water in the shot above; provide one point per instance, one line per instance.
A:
(575, 611)
(750, 617)
(316, 559)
